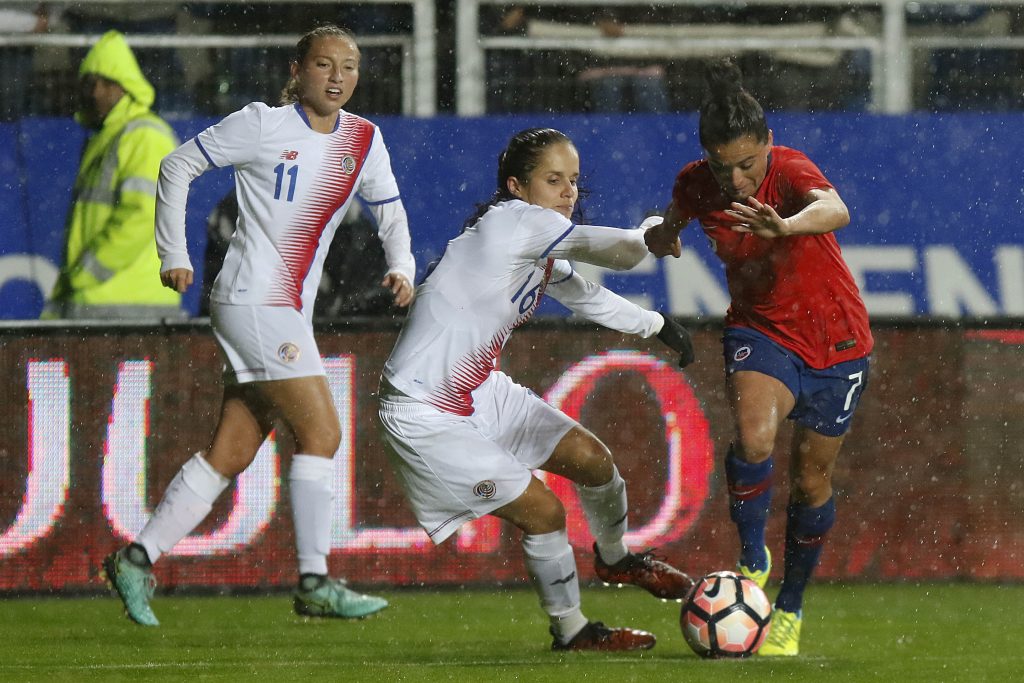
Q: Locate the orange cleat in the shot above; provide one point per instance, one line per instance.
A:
(597, 636)
(658, 578)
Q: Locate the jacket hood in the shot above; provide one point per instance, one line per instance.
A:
(112, 59)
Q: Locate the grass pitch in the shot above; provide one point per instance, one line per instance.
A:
(890, 633)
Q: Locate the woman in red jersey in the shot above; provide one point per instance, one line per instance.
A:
(796, 339)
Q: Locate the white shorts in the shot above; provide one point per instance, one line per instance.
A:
(458, 468)
(263, 343)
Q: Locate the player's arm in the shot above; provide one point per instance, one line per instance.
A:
(598, 304)
(824, 211)
(615, 248)
(604, 307)
(177, 171)
(393, 231)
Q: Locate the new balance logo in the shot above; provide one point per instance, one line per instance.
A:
(289, 155)
(567, 579)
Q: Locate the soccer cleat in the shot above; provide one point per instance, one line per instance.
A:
(658, 578)
(332, 598)
(134, 585)
(783, 636)
(597, 636)
(758, 577)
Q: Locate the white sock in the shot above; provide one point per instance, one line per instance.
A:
(186, 502)
(605, 508)
(552, 567)
(311, 480)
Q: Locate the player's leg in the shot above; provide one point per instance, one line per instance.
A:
(305, 405)
(552, 567)
(188, 499)
(809, 517)
(583, 459)
(759, 403)
(828, 399)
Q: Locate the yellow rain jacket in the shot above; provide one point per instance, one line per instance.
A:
(110, 257)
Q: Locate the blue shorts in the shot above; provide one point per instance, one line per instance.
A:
(825, 399)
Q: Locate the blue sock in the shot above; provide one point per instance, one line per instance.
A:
(806, 528)
(750, 494)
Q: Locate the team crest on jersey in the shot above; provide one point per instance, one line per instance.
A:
(484, 489)
(288, 352)
(741, 354)
(348, 164)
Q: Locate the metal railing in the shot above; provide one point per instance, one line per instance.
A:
(890, 50)
(418, 69)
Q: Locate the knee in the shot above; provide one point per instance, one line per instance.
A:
(322, 439)
(756, 441)
(812, 484)
(595, 464)
(548, 516)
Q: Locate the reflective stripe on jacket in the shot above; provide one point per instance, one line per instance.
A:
(110, 254)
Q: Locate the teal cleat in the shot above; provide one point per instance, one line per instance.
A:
(134, 585)
(332, 598)
(784, 635)
(758, 577)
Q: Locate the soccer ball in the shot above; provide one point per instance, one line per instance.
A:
(725, 615)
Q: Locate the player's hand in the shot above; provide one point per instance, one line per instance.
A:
(178, 279)
(400, 287)
(677, 338)
(663, 241)
(757, 218)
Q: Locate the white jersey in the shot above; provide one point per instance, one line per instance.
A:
(489, 281)
(294, 186)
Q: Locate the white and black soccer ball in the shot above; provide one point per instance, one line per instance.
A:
(725, 615)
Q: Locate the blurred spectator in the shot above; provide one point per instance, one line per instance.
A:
(505, 66)
(624, 85)
(966, 79)
(111, 268)
(16, 62)
(548, 75)
(240, 75)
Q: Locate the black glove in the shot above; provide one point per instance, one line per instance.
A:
(675, 336)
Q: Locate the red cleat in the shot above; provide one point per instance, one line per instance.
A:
(597, 636)
(658, 578)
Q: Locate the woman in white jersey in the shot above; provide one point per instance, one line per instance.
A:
(465, 437)
(297, 169)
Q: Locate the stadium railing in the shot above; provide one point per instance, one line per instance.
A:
(891, 47)
(418, 48)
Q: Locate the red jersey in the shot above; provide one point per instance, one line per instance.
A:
(796, 290)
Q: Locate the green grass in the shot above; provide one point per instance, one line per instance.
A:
(891, 633)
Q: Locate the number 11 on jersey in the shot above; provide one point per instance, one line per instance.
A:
(292, 173)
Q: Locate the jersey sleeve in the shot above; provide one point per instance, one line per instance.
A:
(378, 184)
(685, 193)
(545, 233)
(803, 175)
(235, 140)
(177, 171)
(393, 231)
(600, 305)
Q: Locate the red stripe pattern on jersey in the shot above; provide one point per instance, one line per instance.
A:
(344, 156)
(454, 393)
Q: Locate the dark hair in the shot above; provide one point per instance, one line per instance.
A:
(290, 93)
(728, 111)
(518, 160)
